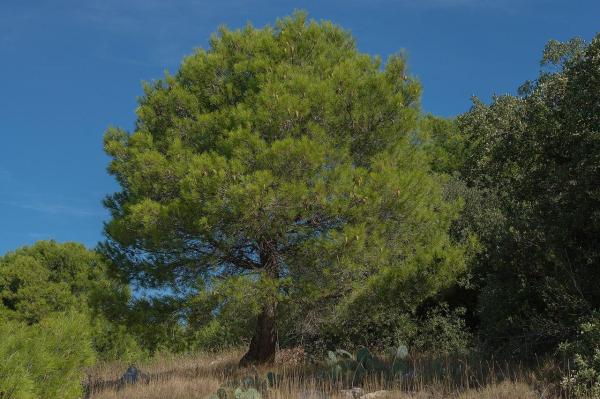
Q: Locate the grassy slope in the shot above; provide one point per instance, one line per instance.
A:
(198, 376)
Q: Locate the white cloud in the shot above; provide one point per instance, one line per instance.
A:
(53, 208)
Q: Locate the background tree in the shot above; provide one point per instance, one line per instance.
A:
(535, 158)
(444, 143)
(280, 165)
(48, 279)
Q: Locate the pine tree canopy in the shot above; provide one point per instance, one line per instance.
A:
(285, 158)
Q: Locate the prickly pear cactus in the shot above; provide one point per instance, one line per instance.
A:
(342, 354)
(223, 393)
(272, 379)
(344, 367)
(400, 364)
(236, 393)
(247, 393)
(401, 352)
(365, 359)
(341, 365)
(331, 358)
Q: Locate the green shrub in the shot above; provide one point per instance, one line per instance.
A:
(113, 342)
(583, 378)
(15, 382)
(46, 278)
(443, 331)
(45, 360)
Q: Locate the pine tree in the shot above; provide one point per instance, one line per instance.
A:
(281, 161)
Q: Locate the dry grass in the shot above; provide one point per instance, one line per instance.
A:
(165, 366)
(198, 376)
(175, 388)
(176, 377)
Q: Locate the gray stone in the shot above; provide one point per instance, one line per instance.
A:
(375, 395)
(133, 375)
(352, 393)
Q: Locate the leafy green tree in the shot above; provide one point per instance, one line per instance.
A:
(280, 166)
(49, 278)
(442, 139)
(535, 156)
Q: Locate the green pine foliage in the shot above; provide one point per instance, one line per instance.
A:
(48, 278)
(283, 160)
(46, 360)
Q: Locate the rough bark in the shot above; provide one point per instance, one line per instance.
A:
(264, 342)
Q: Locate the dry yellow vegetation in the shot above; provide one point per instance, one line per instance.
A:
(200, 375)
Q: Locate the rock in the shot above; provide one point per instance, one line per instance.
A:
(352, 393)
(375, 395)
(133, 376)
(236, 393)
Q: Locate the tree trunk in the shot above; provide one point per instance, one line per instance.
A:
(264, 342)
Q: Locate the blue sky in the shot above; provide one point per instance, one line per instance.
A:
(71, 68)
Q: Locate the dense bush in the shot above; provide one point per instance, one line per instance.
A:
(443, 331)
(583, 359)
(113, 341)
(46, 278)
(46, 360)
(535, 158)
